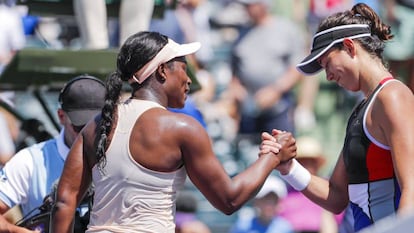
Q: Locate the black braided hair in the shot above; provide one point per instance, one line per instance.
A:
(137, 50)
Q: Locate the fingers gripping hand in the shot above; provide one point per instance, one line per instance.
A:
(269, 145)
(288, 145)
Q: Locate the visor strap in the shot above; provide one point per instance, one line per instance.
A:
(324, 38)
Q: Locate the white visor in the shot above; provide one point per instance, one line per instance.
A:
(168, 52)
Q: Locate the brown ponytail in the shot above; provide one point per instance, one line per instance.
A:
(362, 14)
(378, 28)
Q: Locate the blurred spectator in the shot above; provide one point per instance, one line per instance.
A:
(169, 26)
(304, 116)
(7, 147)
(186, 23)
(229, 14)
(399, 52)
(12, 36)
(303, 214)
(316, 86)
(217, 109)
(28, 177)
(193, 16)
(185, 218)
(265, 218)
(12, 39)
(320, 9)
(263, 63)
(374, 4)
(134, 16)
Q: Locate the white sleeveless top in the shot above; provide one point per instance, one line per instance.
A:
(129, 197)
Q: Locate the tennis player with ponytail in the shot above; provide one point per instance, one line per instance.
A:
(374, 172)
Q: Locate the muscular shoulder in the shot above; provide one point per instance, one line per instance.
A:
(166, 121)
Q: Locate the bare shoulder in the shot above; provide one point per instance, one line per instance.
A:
(168, 136)
(168, 120)
(395, 102)
(396, 94)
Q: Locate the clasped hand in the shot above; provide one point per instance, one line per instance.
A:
(280, 143)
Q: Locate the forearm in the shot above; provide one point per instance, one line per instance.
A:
(288, 80)
(229, 194)
(307, 93)
(249, 181)
(323, 193)
(406, 202)
(319, 190)
(63, 218)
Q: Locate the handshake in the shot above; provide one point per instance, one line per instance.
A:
(281, 144)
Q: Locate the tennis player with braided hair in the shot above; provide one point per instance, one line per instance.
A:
(138, 154)
(374, 172)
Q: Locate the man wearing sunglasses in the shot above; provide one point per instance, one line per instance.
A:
(30, 175)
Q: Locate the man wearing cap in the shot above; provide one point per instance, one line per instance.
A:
(30, 175)
(266, 203)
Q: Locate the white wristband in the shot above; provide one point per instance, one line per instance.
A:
(298, 177)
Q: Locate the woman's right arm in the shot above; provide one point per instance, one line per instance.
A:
(330, 194)
(208, 175)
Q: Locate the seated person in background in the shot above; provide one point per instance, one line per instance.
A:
(7, 147)
(265, 218)
(28, 177)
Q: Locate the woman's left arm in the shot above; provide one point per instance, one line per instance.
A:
(73, 184)
(397, 124)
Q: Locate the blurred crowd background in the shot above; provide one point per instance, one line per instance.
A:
(317, 109)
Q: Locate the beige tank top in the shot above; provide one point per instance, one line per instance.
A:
(129, 197)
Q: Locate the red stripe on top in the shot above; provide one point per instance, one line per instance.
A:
(385, 79)
(379, 163)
